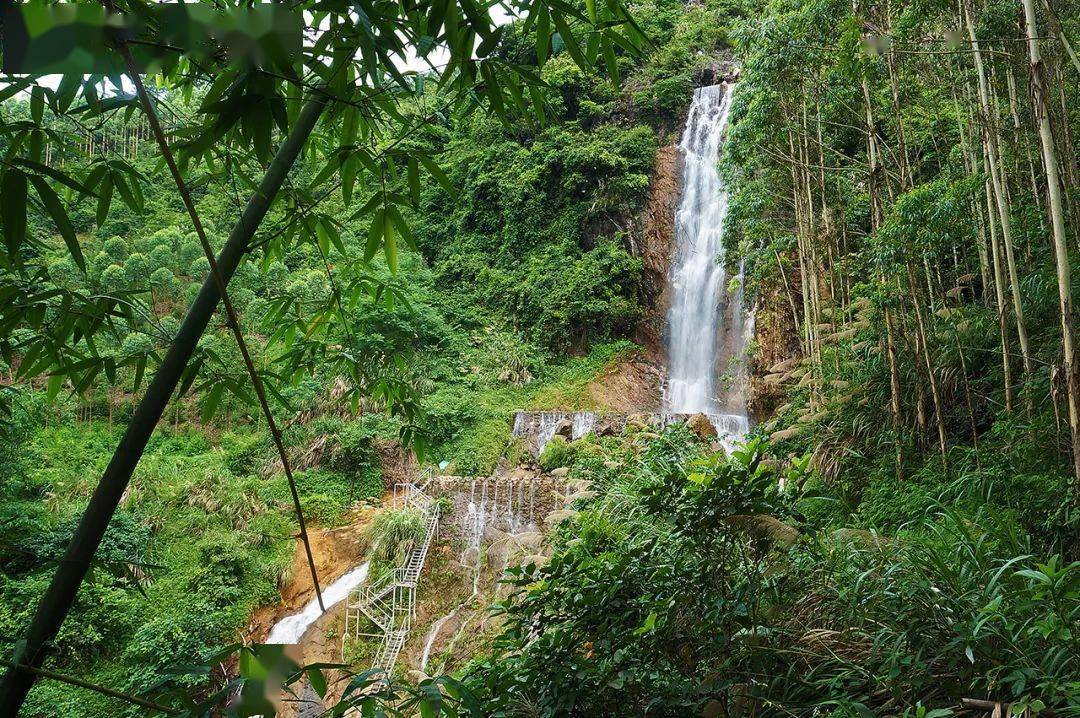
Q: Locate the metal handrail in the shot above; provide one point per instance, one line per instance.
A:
(399, 585)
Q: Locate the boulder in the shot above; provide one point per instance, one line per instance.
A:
(701, 426)
(565, 429)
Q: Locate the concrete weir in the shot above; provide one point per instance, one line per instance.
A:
(537, 428)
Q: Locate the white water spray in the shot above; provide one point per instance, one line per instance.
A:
(708, 322)
(289, 629)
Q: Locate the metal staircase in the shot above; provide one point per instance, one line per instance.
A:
(389, 605)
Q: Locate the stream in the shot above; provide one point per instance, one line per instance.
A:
(289, 629)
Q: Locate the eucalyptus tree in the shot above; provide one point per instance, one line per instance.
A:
(921, 199)
(1040, 99)
(346, 102)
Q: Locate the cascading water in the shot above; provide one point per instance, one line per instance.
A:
(289, 629)
(708, 322)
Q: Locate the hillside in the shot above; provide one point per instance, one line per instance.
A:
(667, 359)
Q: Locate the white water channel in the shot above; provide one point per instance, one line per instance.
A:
(707, 322)
(289, 629)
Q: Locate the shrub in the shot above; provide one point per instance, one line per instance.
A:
(245, 453)
(557, 452)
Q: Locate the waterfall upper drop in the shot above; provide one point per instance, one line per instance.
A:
(708, 324)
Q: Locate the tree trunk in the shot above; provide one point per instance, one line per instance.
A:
(924, 341)
(60, 595)
(877, 214)
(999, 292)
(997, 178)
(1057, 221)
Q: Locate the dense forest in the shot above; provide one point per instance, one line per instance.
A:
(272, 318)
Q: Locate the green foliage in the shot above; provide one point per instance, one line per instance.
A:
(692, 584)
(533, 233)
(392, 535)
(557, 452)
(192, 535)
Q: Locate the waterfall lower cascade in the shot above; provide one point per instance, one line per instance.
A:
(707, 322)
(289, 629)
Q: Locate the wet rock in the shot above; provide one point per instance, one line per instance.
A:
(565, 429)
(702, 427)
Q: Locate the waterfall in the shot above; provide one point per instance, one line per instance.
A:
(583, 422)
(289, 629)
(708, 323)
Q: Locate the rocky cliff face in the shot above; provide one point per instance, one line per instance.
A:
(654, 246)
(776, 338)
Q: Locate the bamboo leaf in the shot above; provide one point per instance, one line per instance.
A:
(13, 210)
(390, 239)
(60, 218)
(210, 404)
(104, 198)
(436, 172)
(375, 233)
